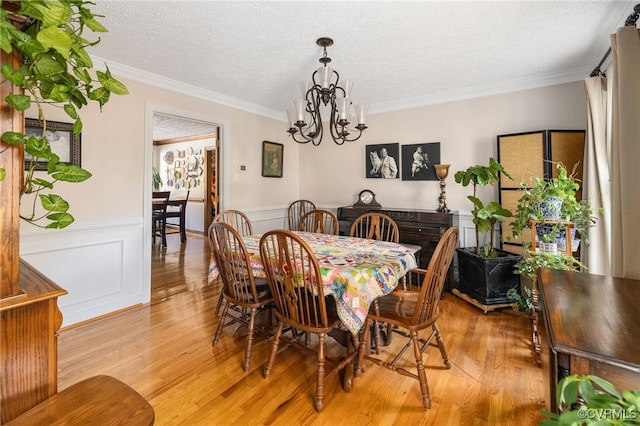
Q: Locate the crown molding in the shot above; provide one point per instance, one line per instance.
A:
(186, 89)
(509, 86)
(135, 74)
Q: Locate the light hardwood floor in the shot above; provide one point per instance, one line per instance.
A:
(163, 350)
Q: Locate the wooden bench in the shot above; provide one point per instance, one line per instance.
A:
(100, 400)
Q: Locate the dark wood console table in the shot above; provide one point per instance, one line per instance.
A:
(590, 324)
(420, 227)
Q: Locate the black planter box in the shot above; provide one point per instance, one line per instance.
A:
(487, 280)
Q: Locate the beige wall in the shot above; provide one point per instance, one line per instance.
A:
(467, 133)
(103, 260)
(113, 149)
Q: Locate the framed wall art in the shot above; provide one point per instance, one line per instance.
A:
(418, 160)
(381, 161)
(61, 139)
(272, 158)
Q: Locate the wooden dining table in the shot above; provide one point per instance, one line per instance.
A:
(355, 271)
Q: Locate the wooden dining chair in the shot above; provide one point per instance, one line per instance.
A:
(295, 212)
(412, 312)
(375, 226)
(319, 221)
(245, 295)
(237, 219)
(295, 280)
(380, 227)
(177, 208)
(159, 200)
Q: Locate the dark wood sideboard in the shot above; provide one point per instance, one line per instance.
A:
(590, 324)
(420, 227)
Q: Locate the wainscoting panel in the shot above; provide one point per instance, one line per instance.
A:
(100, 266)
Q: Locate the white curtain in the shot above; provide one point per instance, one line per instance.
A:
(625, 150)
(611, 156)
(596, 185)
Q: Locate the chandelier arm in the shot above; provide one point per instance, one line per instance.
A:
(314, 130)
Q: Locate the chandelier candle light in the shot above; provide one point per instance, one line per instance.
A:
(304, 118)
(442, 171)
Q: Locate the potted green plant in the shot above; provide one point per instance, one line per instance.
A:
(535, 201)
(591, 400)
(485, 272)
(55, 70)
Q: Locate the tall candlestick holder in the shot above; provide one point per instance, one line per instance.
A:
(442, 171)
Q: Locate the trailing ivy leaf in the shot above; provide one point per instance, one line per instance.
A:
(5, 42)
(14, 76)
(19, 102)
(52, 163)
(3, 173)
(82, 57)
(70, 173)
(43, 183)
(82, 74)
(60, 220)
(111, 84)
(14, 138)
(38, 147)
(71, 111)
(100, 95)
(57, 39)
(46, 66)
(59, 93)
(32, 9)
(77, 126)
(53, 203)
(95, 26)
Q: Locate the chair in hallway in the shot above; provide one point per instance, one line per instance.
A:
(319, 221)
(177, 208)
(245, 295)
(159, 202)
(411, 312)
(237, 219)
(295, 211)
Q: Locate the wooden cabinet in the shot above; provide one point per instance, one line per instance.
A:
(588, 325)
(29, 324)
(420, 227)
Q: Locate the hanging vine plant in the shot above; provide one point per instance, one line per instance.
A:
(55, 70)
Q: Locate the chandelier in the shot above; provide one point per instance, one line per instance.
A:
(305, 119)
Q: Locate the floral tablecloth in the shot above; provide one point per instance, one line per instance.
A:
(355, 271)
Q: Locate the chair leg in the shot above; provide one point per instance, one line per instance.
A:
(422, 376)
(163, 231)
(362, 352)
(223, 318)
(220, 302)
(248, 351)
(274, 350)
(320, 380)
(443, 349)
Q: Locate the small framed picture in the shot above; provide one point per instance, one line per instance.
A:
(61, 139)
(272, 158)
(418, 161)
(381, 161)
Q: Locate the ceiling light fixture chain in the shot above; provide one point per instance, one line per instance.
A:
(305, 118)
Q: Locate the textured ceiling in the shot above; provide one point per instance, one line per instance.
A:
(398, 54)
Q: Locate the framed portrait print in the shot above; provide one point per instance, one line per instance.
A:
(381, 161)
(418, 160)
(272, 158)
(61, 139)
